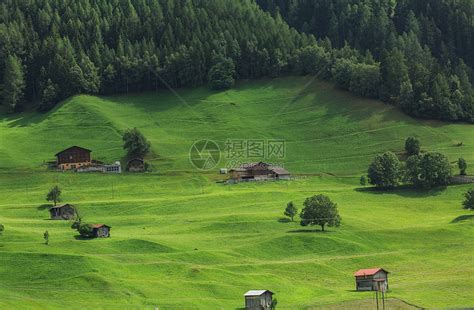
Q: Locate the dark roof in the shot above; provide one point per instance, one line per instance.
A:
(368, 272)
(74, 146)
(136, 159)
(60, 206)
(99, 225)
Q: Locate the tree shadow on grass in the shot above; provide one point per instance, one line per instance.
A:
(403, 191)
(308, 231)
(44, 207)
(462, 218)
(284, 220)
(79, 237)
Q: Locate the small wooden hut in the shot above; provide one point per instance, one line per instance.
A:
(374, 279)
(100, 230)
(258, 300)
(63, 212)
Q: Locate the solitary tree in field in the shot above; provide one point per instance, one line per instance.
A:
(385, 170)
(412, 146)
(46, 237)
(462, 165)
(135, 143)
(291, 210)
(363, 180)
(468, 203)
(54, 195)
(320, 210)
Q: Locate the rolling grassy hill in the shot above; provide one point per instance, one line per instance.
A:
(181, 240)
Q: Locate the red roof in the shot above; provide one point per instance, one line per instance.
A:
(368, 272)
(99, 225)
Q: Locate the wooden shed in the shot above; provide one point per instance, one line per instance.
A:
(73, 158)
(63, 212)
(258, 300)
(136, 165)
(100, 230)
(374, 279)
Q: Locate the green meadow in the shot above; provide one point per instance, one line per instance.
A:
(183, 240)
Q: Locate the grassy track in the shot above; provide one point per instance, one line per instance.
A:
(180, 240)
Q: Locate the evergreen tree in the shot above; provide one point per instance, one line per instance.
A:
(13, 83)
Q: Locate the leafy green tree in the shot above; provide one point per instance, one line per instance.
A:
(385, 170)
(2, 229)
(135, 143)
(291, 210)
(320, 210)
(468, 202)
(363, 180)
(13, 83)
(412, 146)
(428, 170)
(54, 195)
(462, 165)
(221, 75)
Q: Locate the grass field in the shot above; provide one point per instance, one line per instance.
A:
(181, 240)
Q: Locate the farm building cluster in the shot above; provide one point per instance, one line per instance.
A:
(79, 159)
(260, 171)
(68, 212)
(373, 279)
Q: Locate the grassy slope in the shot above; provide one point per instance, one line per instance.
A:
(181, 239)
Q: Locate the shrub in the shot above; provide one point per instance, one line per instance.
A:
(462, 165)
(468, 203)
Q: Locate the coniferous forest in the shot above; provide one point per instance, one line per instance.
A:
(414, 54)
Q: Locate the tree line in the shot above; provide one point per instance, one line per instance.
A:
(52, 49)
(418, 53)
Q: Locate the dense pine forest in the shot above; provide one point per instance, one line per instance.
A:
(414, 54)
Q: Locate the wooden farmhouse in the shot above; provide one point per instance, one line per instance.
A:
(258, 300)
(258, 172)
(63, 212)
(136, 165)
(73, 158)
(100, 230)
(375, 279)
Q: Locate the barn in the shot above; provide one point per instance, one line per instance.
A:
(73, 158)
(136, 165)
(63, 212)
(373, 279)
(258, 300)
(258, 172)
(100, 230)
